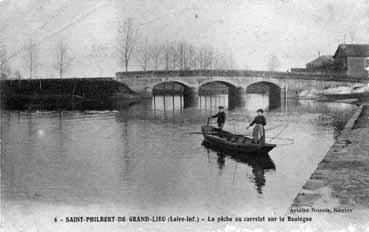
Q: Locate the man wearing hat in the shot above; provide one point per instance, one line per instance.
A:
(221, 117)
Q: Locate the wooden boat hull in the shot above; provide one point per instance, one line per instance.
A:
(227, 141)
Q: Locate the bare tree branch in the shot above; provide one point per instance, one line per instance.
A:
(273, 63)
(127, 37)
(181, 48)
(185, 56)
(173, 57)
(4, 70)
(63, 58)
(156, 54)
(166, 56)
(143, 55)
(205, 58)
(191, 58)
(31, 58)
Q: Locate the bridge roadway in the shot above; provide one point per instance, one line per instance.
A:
(280, 85)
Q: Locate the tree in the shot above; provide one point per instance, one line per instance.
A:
(191, 58)
(230, 61)
(205, 58)
(127, 37)
(31, 58)
(166, 56)
(143, 55)
(273, 63)
(173, 57)
(185, 56)
(221, 61)
(63, 58)
(156, 55)
(3, 61)
(181, 48)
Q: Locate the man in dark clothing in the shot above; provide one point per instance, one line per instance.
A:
(221, 117)
(259, 119)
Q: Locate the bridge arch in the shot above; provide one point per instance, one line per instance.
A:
(157, 87)
(235, 92)
(272, 89)
(190, 94)
(227, 83)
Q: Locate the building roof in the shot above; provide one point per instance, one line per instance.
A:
(353, 50)
(321, 61)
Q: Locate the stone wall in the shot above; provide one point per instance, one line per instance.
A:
(332, 171)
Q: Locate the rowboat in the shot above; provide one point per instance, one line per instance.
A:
(227, 141)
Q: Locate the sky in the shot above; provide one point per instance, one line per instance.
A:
(294, 31)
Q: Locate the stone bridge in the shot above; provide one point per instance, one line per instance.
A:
(280, 85)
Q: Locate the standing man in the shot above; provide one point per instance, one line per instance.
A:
(221, 117)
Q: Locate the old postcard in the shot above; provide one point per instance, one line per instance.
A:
(174, 115)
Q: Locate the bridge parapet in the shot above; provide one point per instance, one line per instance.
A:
(238, 73)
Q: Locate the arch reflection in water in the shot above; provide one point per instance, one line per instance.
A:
(259, 163)
(270, 89)
(167, 103)
(176, 88)
(175, 103)
(235, 95)
(210, 103)
(256, 101)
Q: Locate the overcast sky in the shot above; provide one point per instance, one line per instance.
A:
(252, 30)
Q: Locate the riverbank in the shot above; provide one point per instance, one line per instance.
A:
(66, 94)
(337, 193)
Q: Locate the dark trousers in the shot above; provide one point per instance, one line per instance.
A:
(220, 125)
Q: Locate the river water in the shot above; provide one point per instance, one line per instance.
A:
(143, 161)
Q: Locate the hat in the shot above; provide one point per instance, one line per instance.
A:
(260, 110)
(220, 107)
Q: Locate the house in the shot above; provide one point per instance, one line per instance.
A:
(321, 64)
(352, 60)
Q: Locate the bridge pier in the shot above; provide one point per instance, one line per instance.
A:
(291, 92)
(146, 92)
(284, 94)
(275, 97)
(190, 97)
(236, 97)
